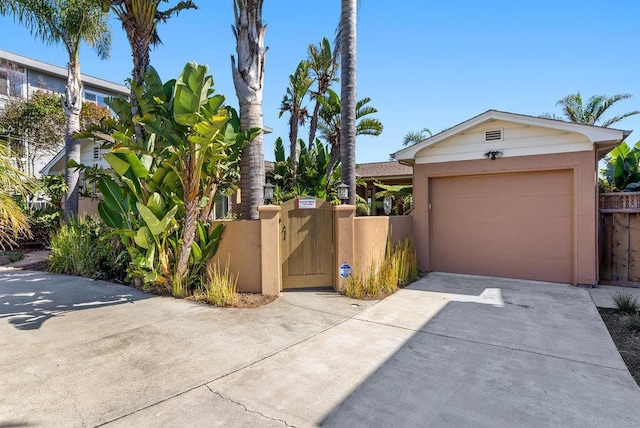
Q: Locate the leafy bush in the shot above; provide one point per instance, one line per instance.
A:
(399, 268)
(622, 173)
(14, 256)
(54, 186)
(626, 303)
(85, 247)
(219, 286)
(43, 225)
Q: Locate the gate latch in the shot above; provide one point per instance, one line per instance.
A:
(284, 233)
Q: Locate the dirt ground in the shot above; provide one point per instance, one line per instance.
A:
(251, 300)
(627, 342)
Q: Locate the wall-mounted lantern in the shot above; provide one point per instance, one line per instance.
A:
(493, 155)
(343, 192)
(268, 192)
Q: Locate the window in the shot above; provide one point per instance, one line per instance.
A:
(96, 152)
(95, 97)
(4, 83)
(11, 82)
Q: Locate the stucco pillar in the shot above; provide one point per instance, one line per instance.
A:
(343, 216)
(270, 249)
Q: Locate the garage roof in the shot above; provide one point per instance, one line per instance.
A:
(604, 138)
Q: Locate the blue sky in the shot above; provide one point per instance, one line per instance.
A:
(422, 63)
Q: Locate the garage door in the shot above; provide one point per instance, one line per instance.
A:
(509, 225)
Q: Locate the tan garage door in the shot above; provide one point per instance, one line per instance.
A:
(509, 225)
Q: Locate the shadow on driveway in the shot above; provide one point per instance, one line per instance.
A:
(29, 298)
(519, 354)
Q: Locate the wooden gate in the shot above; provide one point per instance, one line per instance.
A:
(306, 243)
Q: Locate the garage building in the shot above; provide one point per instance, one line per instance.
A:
(509, 195)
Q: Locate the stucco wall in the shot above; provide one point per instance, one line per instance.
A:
(241, 245)
(370, 236)
(583, 167)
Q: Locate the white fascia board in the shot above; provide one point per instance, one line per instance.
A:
(61, 72)
(47, 168)
(595, 134)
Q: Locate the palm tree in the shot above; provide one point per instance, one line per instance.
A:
(66, 22)
(414, 137)
(591, 113)
(13, 221)
(330, 124)
(323, 65)
(248, 79)
(299, 83)
(348, 96)
(140, 20)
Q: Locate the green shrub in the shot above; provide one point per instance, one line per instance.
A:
(399, 268)
(219, 286)
(85, 247)
(626, 303)
(43, 225)
(633, 322)
(14, 256)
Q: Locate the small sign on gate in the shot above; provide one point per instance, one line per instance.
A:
(345, 270)
(306, 203)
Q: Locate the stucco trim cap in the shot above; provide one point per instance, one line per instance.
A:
(344, 208)
(269, 208)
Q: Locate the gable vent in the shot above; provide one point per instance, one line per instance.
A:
(493, 135)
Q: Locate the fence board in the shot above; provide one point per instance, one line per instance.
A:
(620, 246)
(634, 248)
(606, 247)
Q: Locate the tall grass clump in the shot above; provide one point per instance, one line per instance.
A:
(626, 303)
(399, 268)
(84, 247)
(219, 286)
(633, 322)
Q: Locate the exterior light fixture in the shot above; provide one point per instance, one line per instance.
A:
(343, 192)
(268, 192)
(493, 155)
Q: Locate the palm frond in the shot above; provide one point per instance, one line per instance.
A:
(592, 112)
(618, 118)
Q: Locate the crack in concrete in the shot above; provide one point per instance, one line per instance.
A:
(248, 410)
(332, 313)
(266, 357)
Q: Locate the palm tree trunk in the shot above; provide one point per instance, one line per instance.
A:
(252, 174)
(72, 107)
(248, 79)
(293, 146)
(334, 158)
(313, 124)
(348, 97)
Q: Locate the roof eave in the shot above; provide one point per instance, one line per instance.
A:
(594, 133)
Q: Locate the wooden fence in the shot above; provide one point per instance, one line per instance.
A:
(619, 244)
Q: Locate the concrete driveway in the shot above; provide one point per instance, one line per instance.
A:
(449, 350)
